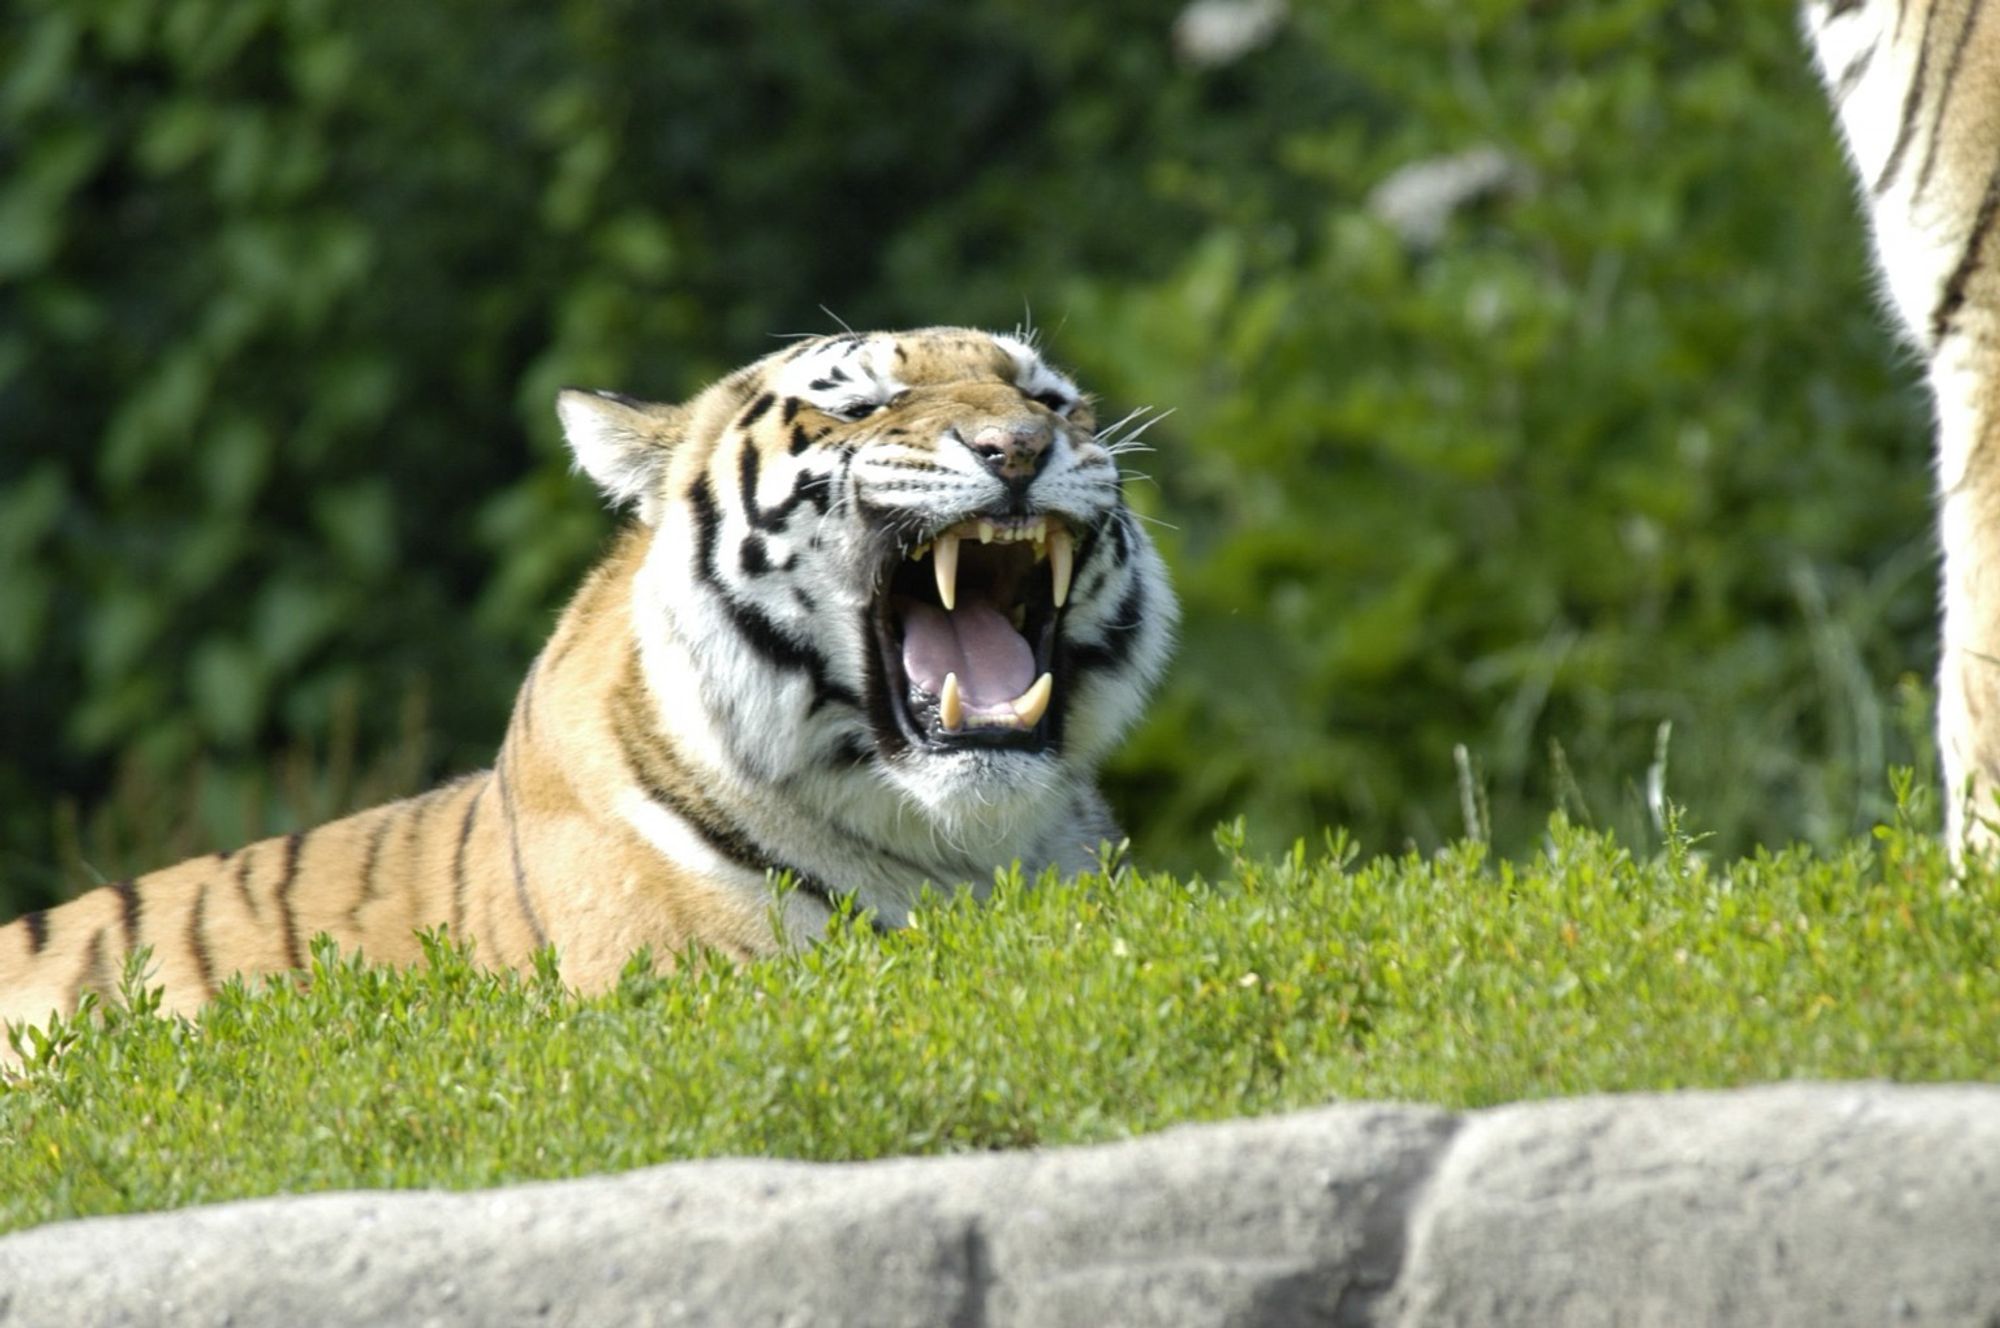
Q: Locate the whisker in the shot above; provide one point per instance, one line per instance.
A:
(1105, 435)
(1131, 436)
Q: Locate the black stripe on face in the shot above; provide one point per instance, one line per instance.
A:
(128, 911)
(458, 881)
(1094, 567)
(756, 410)
(1953, 299)
(791, 410)
(707, 530)
(288, 877)
(1111, 532)
(37, 924)
(197, 939)
(1120, 633)
(806, 488)
(758, 631)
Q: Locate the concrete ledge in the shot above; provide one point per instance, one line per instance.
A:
(1798, 1204)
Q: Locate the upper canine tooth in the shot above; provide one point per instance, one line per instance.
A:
(1031, 705)
(1061, 562)
(944, 561)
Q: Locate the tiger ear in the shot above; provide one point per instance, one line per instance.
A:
(622, 443)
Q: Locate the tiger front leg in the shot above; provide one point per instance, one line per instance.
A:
(1969, 671)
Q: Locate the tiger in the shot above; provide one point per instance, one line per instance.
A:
(1915, 88)
(878, 613)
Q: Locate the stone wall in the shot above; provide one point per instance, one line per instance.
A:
(1797, 1204)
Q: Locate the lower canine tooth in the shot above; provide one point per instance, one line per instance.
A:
(1032, 704)
(951, 711)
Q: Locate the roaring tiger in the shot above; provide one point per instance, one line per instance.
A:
(882, 613)
(1915, 85)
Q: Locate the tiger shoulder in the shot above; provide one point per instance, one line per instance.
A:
(880, 614)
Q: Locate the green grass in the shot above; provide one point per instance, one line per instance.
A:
(1071, 1012)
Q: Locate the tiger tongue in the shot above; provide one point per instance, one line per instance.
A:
(993, 662)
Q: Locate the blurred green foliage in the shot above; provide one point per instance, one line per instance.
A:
(286, 287)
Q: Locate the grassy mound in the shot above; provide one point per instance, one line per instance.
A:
(1070, 1012)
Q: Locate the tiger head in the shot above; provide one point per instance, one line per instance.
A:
(892, 569)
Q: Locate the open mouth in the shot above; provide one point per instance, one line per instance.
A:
(966, 624)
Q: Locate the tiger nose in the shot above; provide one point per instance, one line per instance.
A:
(1014, 450)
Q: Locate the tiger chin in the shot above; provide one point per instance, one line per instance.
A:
(881, 614)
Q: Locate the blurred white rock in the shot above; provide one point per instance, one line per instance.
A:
(1417, 200)
(1217, 32)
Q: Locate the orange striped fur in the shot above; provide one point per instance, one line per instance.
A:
(726, 698)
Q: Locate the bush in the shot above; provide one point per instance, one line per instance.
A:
(1623, 446)
(1079, 1011)
(287, 287)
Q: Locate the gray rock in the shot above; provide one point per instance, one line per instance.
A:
(1822, 1205)
(1801, 1204)
(1298, 1216)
